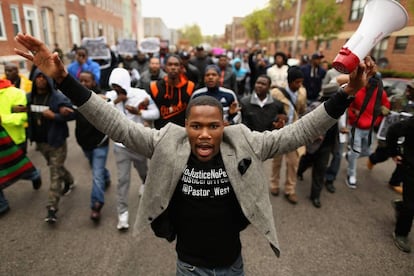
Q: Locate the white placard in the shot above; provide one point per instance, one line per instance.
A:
(127, 47)
(38, 108)
(150, 45)
(388, 120)
(97, 48)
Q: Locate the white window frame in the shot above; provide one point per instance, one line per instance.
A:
(3, 35)
(14, 10)
(74, 24)
(398, 43)
(380, 49)
(34, 20)
(44, 13)
(357, 10)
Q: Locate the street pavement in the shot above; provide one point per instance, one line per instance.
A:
(349, 235)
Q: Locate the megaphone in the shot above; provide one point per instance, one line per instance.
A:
(381, 17)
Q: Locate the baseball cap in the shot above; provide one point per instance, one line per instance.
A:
(317, 55)
(184, 55)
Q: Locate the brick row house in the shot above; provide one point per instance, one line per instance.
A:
(395, 51)
(66, 22)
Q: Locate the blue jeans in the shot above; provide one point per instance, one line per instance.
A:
(4, 204)
(100, 174)
(362, 145)
(32, 176)
(185, 269)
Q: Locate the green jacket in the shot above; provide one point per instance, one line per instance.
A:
(14, 123)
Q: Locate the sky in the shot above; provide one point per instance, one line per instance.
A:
(211, 15)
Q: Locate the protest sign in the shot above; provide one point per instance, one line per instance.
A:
(127, 47)
(150, 45)
(388, 120)
(97, 48)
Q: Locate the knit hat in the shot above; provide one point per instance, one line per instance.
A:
(294, 73)
(328, 90)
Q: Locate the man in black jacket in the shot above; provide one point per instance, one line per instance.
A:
(260, 111)
(49, 111)
(201, 61)
(95, 146)
(405, 208)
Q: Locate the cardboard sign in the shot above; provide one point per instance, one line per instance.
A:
(97, 48)
(127, 47)
(150, 45)
(388, 120)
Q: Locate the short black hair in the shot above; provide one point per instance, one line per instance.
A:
(266, 77)
(281, 54)
(174, 56)
(294, 73)
(203, 100)
(82, 48)
(89, 73)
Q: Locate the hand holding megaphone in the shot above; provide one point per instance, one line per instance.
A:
(381, 17)
(358, 78)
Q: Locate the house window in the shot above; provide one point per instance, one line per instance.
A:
(328, 44)
(401, 43)
(2, 27)
(15, 18)
(357, 10)
(290, 47)
(299, 47)
(291, 20)
(45, 26)
(74, 27)
(30, 21)
(380, 49)
(277, 44)
(83, 27)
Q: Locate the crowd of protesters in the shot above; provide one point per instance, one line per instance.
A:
(261, 91)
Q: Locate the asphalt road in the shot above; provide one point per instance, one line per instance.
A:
(349, 235)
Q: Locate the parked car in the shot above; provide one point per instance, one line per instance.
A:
(395, 86)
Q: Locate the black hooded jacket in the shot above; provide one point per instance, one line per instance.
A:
(87, 136)
(53, 132)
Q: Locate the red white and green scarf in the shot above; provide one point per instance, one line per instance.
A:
(14, 164)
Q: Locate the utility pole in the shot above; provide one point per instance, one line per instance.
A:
(296, 32)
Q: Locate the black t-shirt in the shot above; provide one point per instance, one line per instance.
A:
(206, 215)
(39, 124)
